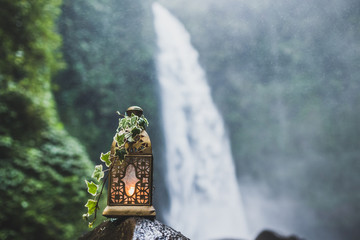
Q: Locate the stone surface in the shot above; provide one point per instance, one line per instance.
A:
(133, 228)
(270, 235)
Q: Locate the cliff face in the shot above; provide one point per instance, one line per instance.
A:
(132, 228)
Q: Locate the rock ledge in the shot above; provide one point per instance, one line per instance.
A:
(133, 228)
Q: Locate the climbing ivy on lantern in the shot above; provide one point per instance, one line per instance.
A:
(128, 130)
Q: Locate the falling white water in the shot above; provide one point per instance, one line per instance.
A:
(205, 201)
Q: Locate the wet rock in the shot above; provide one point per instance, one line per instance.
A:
(133, 228)
(270, 235)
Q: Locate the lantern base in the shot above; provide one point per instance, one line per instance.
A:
(118, 211)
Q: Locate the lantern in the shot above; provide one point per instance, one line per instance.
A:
(130, 181)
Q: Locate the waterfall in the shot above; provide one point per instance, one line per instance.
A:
(205, 201)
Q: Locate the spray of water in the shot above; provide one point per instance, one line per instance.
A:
(205, 202)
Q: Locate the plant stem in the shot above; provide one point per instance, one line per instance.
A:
(102, 188)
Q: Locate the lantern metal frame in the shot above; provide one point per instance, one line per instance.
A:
(117, 195)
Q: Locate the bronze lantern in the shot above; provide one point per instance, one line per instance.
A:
(131, 181)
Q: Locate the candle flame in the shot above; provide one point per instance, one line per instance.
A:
(130, 180)
(131, 190)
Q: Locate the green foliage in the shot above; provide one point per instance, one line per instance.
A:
(91, 205)
(129, 128)
(120, 138)
(109, 66)
(106, 158)
(92, 187)
(98, 173)
(29, 47)
(41, 166)
(43, 184)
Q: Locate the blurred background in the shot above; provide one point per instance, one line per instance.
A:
(284, 75)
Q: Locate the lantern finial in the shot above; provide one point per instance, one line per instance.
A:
(135, 110)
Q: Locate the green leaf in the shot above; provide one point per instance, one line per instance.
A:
(143, 122)
(106, 158)
(121, 153)
(92, 187)
(135, 131)
(98, 172)
(125, 123)
(119, 138)
(128, 137)
(91, 205)
(133, 120)
(122, 123)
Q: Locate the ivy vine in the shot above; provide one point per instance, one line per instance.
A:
(127, 132)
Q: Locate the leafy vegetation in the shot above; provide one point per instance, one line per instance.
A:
(110, 65)
(41, 166)
(42, 187)
(284, 74)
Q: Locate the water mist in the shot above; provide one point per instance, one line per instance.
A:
(205, 201)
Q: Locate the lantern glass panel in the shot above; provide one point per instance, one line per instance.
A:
(130, 181)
